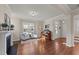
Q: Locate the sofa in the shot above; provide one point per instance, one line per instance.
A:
(26, 35)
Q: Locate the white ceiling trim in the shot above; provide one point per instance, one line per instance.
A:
(75, 11)
(64, 8)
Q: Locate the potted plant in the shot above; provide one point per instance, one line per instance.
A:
(12, 26)
(4, 26)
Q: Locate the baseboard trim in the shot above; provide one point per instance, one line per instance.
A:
(61, 38)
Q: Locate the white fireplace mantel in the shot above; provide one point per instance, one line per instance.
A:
(3, 35)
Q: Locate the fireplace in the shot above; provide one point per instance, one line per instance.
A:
(10, 50)
(8, 42)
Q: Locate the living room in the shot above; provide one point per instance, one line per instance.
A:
(30, 20)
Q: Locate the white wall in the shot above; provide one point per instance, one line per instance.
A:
(76, 25)
(17, 28)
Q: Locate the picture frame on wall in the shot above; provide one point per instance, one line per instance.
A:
(47, 26)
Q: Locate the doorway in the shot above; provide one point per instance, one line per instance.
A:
(76, 29)
(59, 29)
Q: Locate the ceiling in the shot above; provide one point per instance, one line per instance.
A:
(45, 11)
(73, 6)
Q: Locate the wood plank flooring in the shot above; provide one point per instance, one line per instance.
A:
(43, 47)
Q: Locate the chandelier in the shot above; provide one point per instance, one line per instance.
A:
(33, 13)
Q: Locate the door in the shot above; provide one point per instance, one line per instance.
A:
(57, 29)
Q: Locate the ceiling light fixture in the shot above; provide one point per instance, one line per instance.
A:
(33, 13)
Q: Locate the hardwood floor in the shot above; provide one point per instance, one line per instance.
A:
(43, 47)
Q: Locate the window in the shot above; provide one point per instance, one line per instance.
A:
(29, 27)
(25, 26)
